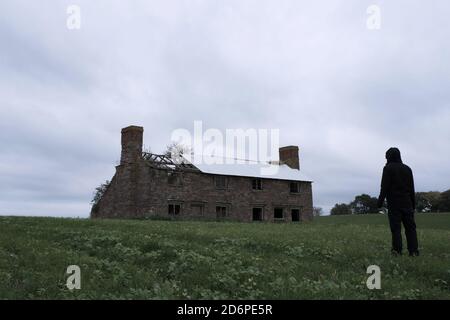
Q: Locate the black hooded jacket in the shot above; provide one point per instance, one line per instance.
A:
(397, 183)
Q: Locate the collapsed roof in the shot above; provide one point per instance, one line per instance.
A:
(222, 166)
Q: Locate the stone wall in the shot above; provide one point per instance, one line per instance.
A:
(138, 190)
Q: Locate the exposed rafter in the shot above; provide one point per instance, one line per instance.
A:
(161, 161)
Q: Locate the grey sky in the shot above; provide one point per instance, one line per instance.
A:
(341, 92)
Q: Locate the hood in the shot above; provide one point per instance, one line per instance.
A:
(393, 155)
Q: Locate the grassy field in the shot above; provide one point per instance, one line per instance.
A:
(324, 259)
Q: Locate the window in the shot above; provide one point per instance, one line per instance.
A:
(197, 209)
(294, 187)
(295, 213)
(221, 211)
(257, 214)
(174, 209)
(257, 184)
(221, 182)
(174, 178)
(278, 214)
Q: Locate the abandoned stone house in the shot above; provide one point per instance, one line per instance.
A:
(146, 185)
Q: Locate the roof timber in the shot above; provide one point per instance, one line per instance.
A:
(161, 161)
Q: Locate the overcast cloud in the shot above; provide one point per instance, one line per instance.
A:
(341, 92)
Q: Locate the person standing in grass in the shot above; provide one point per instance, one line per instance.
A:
(397, 186)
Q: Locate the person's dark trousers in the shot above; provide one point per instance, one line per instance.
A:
(396, 218)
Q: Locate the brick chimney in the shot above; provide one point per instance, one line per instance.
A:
(132, 137)
(289, 156)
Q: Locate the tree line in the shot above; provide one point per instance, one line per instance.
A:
(432, 201)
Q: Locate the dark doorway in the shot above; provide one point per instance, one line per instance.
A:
(257, 214)
(278, 214)
(221, 212)
(295, 214)
(174, 209)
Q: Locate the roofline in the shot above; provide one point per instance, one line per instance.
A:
(253, 177)
(192, 167)
(198, 171)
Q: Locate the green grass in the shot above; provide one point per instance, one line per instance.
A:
(324, 259)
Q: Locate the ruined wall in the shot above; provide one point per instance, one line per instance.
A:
(120, 199)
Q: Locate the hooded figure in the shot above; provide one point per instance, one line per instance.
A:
(393, 155)
(397, 186)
